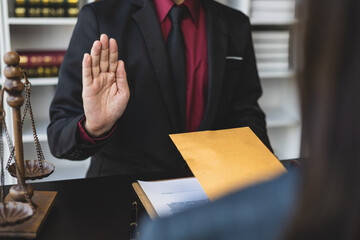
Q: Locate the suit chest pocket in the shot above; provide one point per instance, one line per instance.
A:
(233, 63)
(233, 71)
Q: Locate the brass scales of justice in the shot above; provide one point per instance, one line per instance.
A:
(23, 210)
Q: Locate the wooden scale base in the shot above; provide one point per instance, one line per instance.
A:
(29, 228)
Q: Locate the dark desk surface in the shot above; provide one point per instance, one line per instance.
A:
(94, 208)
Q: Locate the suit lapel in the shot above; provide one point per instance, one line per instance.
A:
(216, 31)
(147, 20)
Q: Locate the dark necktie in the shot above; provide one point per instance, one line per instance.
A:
(176, 47)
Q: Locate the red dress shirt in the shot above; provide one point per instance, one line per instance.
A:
(193, 26)
(194, 30)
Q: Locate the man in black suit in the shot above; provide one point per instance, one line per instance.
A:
(123, 118)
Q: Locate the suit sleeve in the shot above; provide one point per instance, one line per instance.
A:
(245, 110)
(66, 109)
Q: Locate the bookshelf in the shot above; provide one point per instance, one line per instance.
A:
(44, 81)
(8, 178)
(1, 46)
(42, 21)
(272, 22)
(39, 33)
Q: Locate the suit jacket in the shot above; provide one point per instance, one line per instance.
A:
(261, 212)
(140, 142)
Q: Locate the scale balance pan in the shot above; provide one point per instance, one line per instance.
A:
(13, 212)
(33, 169)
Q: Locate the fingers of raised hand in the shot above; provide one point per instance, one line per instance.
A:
(120, 75)
(104, 54)
(86, 70)
(113, 59)
(95, 57)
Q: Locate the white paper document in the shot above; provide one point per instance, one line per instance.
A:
(172, 196)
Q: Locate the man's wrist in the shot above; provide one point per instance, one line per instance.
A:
(87, 138)
(95, 133)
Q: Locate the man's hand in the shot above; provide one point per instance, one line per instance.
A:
(105, 88)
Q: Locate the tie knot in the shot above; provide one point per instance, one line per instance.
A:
(176, 14)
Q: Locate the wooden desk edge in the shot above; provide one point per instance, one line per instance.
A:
(145, 200)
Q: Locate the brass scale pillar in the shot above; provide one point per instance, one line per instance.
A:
(14, 87)
(22, 192)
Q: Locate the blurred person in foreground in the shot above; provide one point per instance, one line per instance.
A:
(321, 201)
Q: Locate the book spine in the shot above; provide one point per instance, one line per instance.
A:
(47, 3)
(72, 12)
(46, 8)
(41, 63)
(272, 10)
(20, 3)
(40, 72)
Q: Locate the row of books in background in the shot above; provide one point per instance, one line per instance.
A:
(272, 10)
(41, 63)
(46, 8)
(272, 51)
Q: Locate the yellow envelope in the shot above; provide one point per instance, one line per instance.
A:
(226, 160)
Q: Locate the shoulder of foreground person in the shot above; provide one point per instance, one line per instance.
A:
(258, 212)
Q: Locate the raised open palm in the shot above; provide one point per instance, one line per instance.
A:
(105, 88)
